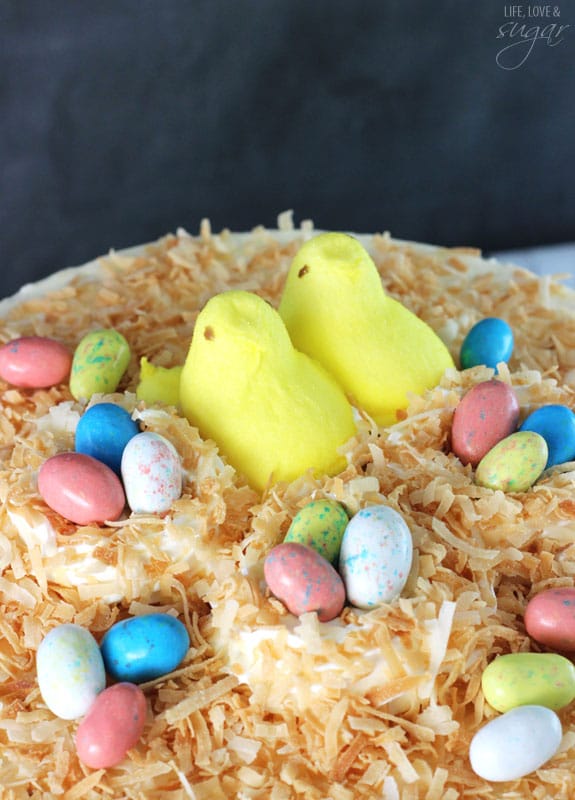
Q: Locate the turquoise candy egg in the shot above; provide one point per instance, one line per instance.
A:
(103, 432)
(375, 556)
(143, 648)
(321, 525)
(70, 670)
(488, 342)
(556, 424)
(514, 464)
(516, 743)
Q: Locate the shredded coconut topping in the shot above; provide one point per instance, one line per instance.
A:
(375, 704)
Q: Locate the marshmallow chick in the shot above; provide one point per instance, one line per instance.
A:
(273, 411)
(336, 310)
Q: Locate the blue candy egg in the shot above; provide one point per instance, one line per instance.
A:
(488, 342)
(556, 424)
(143, 648)
(103, 432)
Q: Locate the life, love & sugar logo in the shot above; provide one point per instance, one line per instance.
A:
(527, 27)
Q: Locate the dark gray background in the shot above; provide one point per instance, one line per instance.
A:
(121, 120)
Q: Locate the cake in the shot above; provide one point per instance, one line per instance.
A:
(377, 703)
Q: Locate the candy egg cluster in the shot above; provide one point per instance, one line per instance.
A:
(112, 462)
(373, 552)
(528, 688)
(484, 434)
(92, 484)
(84, 489)
(72, 670)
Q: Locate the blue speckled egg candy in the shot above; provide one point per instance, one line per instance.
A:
(556, 424)
(488, 342)
(103, 432)
(375, 556)
(143, 648)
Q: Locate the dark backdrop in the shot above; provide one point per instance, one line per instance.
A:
(123, 119)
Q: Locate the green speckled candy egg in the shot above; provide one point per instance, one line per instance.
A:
(99, 362)
(514, 464)
(519, 679)
(321, 525)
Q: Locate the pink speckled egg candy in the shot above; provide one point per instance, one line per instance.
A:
(304, 580)
(81, 488)
(152, 473)
(34, 362)
(550, 618)
(485, 415)
(375, 556)
(112, 726)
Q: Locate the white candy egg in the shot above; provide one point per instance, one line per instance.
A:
(515, 744)
(70, 670)
(375, 556)
(151, 472)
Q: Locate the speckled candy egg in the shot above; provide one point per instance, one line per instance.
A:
(520, 679)
(488, 342)
(514, 464)
(103, 431)
(112, 726)
(143, 648)
(556, 424)
(550, 618)
(34, 362)
(70, 670)
(375, 556)
(486, 414)
(321, 525)
(81, 488)
(151, 472)
(100, 360)
(515, 744)
(304, 581)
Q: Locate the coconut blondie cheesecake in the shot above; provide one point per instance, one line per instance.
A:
(382, 701)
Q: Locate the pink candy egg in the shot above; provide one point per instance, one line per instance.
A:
(304, 580)
(487, 414)
(550, 618)
(34, 362)
(112, 726)
(81, 489)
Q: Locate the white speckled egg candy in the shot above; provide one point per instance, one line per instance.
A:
(70, 670)
(151, 472)
(375, 556)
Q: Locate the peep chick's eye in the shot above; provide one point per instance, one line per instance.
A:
(303, 271)
(209, 333)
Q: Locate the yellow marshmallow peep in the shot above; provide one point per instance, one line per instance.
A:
(272, 410)
(336, 310)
